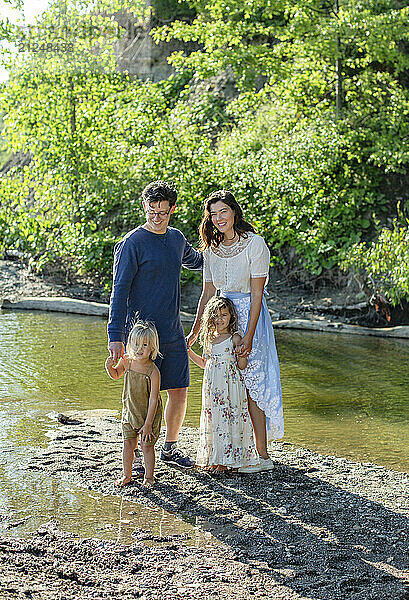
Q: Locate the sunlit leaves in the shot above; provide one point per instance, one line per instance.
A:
(294, 44)
(312, 185)
(384, 263)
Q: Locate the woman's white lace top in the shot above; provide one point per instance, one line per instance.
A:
(230, 268)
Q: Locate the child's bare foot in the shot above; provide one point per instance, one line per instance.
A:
(219, 469)
(210, 468)
(123, 481)
(149, 482)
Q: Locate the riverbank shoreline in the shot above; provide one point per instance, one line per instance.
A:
(314, 527)
(83, 307)
(330, 309)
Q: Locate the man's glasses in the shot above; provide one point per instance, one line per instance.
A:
(160, 213)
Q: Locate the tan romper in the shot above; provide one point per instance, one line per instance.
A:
(135, 402)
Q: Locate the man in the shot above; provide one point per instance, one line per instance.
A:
(146, 285)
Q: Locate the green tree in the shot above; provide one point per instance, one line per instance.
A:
(313, 182)
(6, 26)
(295, 46)
(383, 265)
(337, 76)
(95, 140)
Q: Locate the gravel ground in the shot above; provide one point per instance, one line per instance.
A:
(315, 527)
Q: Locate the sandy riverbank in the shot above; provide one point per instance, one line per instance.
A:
(315, 527)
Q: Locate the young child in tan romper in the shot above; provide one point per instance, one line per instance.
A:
(142, 407)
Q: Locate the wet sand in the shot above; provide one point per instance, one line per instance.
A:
(315, 527)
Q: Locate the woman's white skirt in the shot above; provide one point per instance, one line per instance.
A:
(262, 375)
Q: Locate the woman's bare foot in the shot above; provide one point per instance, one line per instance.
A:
(264, 455)
(123, 481)
(149, 482)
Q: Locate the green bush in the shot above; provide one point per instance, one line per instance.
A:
(299, 180)
(383, 264)
(81, 191)
(308, 183)
(297, 184)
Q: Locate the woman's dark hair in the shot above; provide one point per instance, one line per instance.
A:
(209, 234)
(160, 191)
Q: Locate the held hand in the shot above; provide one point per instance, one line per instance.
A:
(244, 348)
(116, 350)
(191, 338)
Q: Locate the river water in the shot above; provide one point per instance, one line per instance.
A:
(343, 395)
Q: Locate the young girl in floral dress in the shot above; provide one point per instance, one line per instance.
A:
(226, 435)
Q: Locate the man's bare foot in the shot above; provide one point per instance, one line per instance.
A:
(148, 482)
(123, 481)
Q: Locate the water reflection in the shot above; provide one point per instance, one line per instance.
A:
(27, 506)
(347, 395)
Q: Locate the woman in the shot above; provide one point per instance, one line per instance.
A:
(236, 265)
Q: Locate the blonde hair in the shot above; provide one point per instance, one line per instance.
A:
(208, 329)
(143, 331)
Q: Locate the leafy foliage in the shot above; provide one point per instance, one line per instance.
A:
(96, 141)
(312, 181)
(6, 26)
(295, 43)
(384, 263)
(296, 186)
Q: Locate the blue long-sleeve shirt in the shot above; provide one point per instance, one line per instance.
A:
(146, 282)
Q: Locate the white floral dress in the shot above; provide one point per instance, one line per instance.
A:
(230, 269)
(226, 434)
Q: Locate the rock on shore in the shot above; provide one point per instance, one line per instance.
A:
(315, 527)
